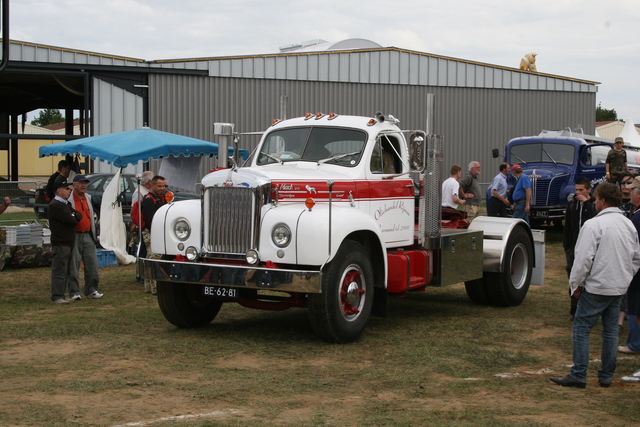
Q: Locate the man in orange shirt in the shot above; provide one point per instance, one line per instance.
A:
(85, 247)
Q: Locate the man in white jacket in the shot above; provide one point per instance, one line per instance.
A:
(607, 255)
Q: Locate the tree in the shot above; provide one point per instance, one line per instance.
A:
(48, 116)
(604, 115)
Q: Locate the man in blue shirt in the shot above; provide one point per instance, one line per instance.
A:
(521, 194)
(499, 201)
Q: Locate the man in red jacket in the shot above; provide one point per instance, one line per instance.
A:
(150, 204)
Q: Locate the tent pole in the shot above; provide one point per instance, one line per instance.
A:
(138, 178)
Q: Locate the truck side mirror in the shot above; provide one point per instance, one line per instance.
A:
(495, 153)
(417, 150)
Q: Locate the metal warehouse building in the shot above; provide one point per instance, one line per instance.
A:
(477, 106)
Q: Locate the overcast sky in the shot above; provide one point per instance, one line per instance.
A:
(584, 39)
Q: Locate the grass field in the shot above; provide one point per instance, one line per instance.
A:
(436, 360)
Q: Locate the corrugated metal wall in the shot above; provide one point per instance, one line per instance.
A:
(473, 120)
(115, 110)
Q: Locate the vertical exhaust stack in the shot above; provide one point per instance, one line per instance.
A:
(430, 212)
(432, 194)
(223, 135)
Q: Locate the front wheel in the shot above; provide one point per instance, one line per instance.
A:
(341, 312)
(184, 306)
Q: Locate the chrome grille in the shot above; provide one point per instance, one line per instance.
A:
(231, 224)
(540, 191)
(547, 192)
(554, 191)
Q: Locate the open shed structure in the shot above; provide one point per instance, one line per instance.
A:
(477, 106)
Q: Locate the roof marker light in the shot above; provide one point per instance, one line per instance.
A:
(372, 122)
(332, 116)
(308, 116)
(319, 115)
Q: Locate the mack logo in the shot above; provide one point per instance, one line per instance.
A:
(310, 189)
(227, 184)
(535, 176)
(286, 186)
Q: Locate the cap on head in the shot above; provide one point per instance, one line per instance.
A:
(516, 168)
(634, 184)
(618, 139)
(80, 178)
(61, 181)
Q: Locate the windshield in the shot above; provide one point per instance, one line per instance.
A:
(538, 152)
(334, 145)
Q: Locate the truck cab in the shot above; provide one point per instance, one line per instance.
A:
(554, 160)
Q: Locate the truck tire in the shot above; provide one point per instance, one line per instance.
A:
(184, 306)
(510, 287)
(341, 312)
(477, 291)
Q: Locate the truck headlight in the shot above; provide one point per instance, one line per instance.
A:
(191, 253)
(182, 230)
(252, 256)
(281, 235)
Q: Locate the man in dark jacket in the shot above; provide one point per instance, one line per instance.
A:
(633, 294)
(64, 169)
(62, 221)
(580, 209)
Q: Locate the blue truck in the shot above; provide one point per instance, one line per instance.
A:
(554, 160)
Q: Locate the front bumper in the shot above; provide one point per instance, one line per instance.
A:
(547, 212)
(276, 279)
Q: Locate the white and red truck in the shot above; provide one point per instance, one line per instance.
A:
(332, 213)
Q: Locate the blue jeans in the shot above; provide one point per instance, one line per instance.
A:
(519, 212)
(590, 308)
(633, 339)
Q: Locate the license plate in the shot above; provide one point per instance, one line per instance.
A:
(540, 213)
(220, 291)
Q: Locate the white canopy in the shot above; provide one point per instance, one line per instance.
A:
(630, 134)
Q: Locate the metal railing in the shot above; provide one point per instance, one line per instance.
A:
(21, 193)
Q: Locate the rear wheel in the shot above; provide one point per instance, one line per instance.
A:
(510, 287)
(341, 312)
(184, 306)
(477, 291)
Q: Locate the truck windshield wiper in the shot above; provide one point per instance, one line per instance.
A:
(272, 157)
(521, 161)
(549, 155)
(339, 156)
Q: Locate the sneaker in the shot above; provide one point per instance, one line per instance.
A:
(95, 295)
(633, 378)
(61, 301)
(627, 350)
(76, 297)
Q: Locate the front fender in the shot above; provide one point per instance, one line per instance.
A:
(314, 245)
(310, 243)
(163, 236)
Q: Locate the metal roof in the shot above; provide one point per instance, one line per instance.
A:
(384, 65)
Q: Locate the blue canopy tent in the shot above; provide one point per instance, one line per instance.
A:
(124, 148)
